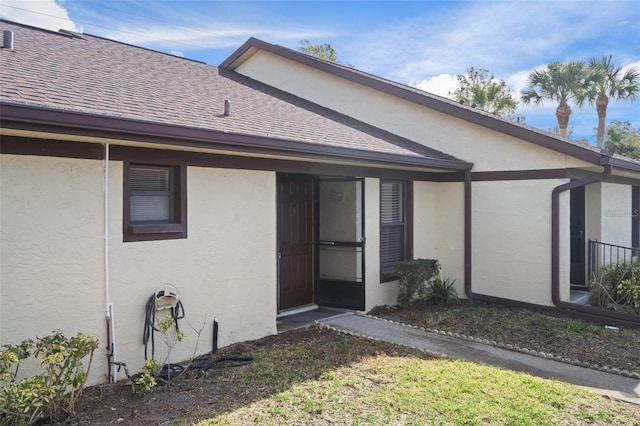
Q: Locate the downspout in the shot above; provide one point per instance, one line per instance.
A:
(467, 234)
(555, 251)
(111, 332)
(588, 312)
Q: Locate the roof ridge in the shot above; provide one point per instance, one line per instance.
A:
(83, 35)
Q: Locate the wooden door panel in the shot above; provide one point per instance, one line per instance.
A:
(295, 235)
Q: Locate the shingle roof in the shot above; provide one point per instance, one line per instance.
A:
(88, 74)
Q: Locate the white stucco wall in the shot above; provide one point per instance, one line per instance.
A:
(511, 239)
(616, 214)
(51, 249)
(438, 221)
(450, 231)
(462, 139)
(593, 211)
(52, 257)
(608, 211)
(226, 268)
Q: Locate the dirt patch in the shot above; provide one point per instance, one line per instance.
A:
(554, 333)
(119, 403)
(311, 353)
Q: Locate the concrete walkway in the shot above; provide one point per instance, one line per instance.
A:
(612, 385)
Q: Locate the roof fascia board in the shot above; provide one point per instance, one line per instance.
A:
(430, 101)
(624, 165)
(83, 124)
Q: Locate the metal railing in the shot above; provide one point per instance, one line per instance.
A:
(603, 254)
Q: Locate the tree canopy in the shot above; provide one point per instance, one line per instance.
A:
(623, 139)
(484, 91)
(322, 50)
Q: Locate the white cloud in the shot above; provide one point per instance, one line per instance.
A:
(503, 37)
(439, 85)
(48, 14)
(210, 36)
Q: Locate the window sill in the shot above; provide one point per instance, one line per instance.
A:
(388, 278)
(169, 228)
(171, 231)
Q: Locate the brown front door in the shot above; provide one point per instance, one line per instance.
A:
(295, 239)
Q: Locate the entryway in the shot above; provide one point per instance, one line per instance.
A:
(577, 242)
(320, 241)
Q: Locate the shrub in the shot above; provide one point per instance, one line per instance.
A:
(414, 277)
(52, 393)
(617, 287)
(147, 380)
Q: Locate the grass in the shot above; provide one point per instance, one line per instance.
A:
(320, 377)
(559, 335)
(327, 378)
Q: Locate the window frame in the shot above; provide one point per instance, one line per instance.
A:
(177, 228)
(407, 221)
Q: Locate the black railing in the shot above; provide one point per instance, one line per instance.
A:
(603, 254)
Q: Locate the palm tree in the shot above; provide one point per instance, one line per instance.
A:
(608, 82)
(560, 82)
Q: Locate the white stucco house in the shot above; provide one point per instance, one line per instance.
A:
(273, 181)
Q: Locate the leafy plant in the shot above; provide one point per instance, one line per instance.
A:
(147, 380)
(617, 287)
(414, 276)
(151, 368)
(441, 292)
(52, 393)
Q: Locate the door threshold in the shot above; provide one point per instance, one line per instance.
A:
(297, 310)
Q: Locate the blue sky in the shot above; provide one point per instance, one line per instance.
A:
(419, 43)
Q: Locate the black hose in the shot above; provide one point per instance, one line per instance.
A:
(225, 362)
(177, 312)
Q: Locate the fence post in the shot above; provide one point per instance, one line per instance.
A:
(591, 259)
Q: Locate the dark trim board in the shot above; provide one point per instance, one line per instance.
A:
(502, 175)
(59, 148)
(266, 164)
(50, 148)
(40, 119)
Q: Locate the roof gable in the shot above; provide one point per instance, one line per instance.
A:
(440, 104)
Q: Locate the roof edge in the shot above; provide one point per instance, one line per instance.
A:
(36, 118)
(422, 98)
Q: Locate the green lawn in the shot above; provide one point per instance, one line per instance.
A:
(322, 377)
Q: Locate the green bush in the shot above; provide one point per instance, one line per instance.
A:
(414, 277)
(617, 287)
(52, 393)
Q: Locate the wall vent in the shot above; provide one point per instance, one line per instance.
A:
(7, 39)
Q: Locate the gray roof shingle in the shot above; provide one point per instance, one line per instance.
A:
(89, 74)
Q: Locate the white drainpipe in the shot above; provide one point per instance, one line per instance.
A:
(111, 331)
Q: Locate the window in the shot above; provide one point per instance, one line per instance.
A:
(154, 202)
(396, 242)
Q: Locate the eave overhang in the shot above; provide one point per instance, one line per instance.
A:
(63, 122)
(437, 103)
